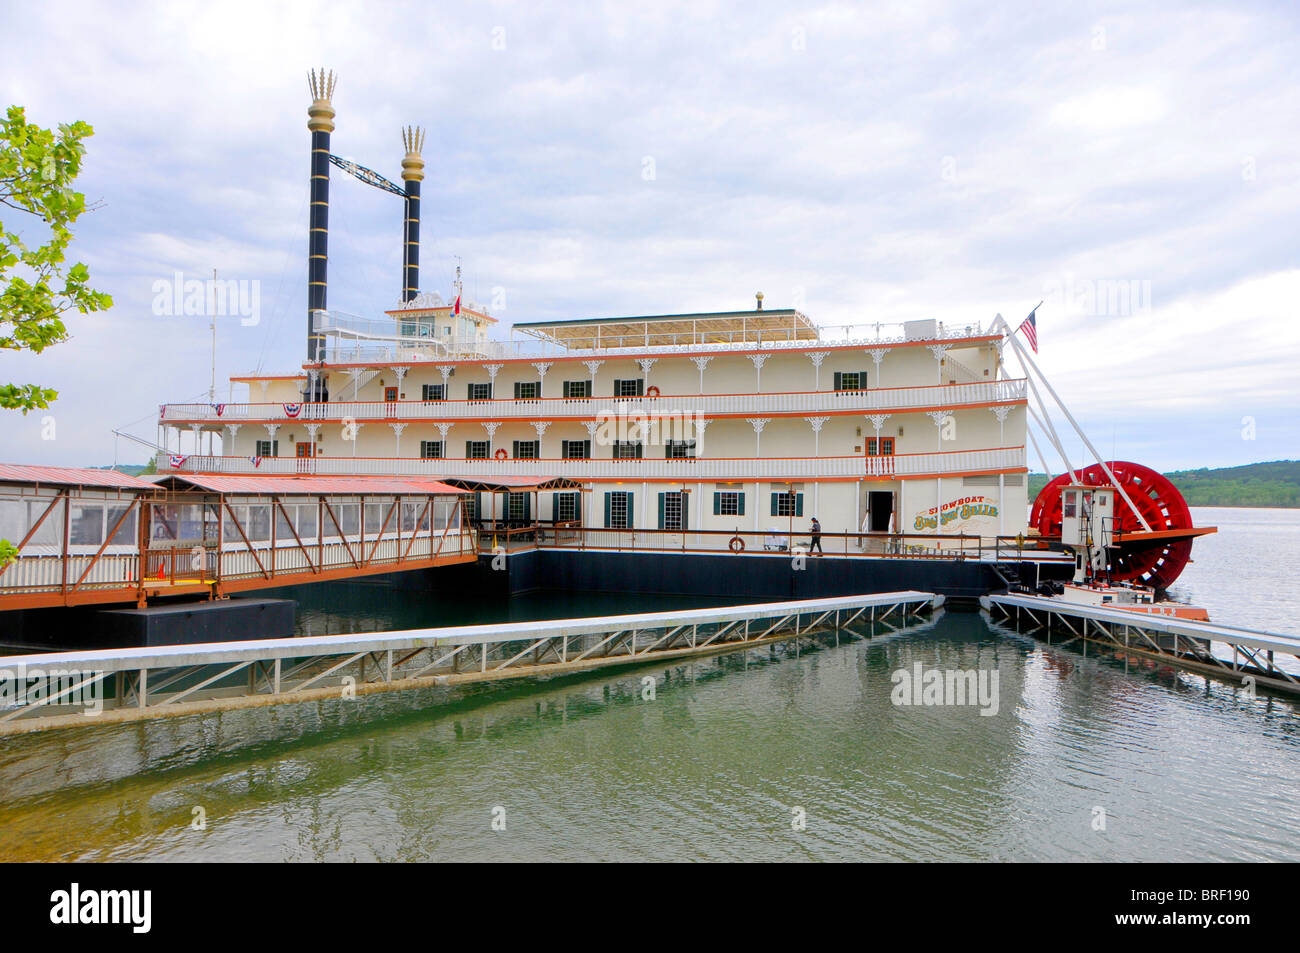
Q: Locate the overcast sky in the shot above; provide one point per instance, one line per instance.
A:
(874, 162)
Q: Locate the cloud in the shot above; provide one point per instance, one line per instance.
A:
(899, 161)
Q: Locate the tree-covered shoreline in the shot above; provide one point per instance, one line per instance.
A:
(1273, 484)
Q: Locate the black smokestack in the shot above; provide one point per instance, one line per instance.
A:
(321, 123)
(412, 175)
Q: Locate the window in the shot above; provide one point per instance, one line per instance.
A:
(568, 507)
(729, 503)
(787, 503)
(627, 450)
(476, 449)
(629, 388)
(527, 449)
(433, 392)
(431, 449)
(1069, 509)
(86, 525)
(850, 380)
(618, 510)
(882, 447)
(575, 449)
(528, 390)
(390, 395)
(672, 510)
(480, 391)
(517, 506)
(577, 389)
(679, 450)
(267, 448)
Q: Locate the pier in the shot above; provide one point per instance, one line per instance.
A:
(190, 679)
(1181, 642)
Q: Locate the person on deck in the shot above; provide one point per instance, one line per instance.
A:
(816, 543)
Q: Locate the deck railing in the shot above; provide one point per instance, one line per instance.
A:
(1001, 459)
(586, 408)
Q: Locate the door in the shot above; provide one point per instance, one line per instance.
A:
(304, 449)
(880, 507)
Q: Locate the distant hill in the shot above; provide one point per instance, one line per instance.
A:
(1255, 484)
(130, 469)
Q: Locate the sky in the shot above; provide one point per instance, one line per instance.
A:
(1134, 166)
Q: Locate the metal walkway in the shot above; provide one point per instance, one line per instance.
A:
(1182, 642)
(140, 683)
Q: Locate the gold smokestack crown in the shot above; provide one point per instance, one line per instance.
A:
(320, 114)
(412, 164)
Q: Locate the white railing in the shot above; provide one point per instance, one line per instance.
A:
(769, 468)
(355, 339)
(692, 405)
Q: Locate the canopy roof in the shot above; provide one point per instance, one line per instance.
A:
(309, 485)
(514, 484)
(71, 476)
(715, 327)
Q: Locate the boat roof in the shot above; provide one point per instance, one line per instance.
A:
(71, 476)
(705, 327)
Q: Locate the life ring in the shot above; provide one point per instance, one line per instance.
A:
(501, 453)
(652, 391)
(737, 545)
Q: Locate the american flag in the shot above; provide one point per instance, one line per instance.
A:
(177, 461)
(1030, 327)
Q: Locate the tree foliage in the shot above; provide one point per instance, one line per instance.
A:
(37, 284)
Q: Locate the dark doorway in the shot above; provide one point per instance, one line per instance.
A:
(880, 507)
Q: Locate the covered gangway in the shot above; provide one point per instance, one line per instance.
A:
(96, 536)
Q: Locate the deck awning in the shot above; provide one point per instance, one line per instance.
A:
(513, 484)
(666, 330)
(308, 485)
(71, 476)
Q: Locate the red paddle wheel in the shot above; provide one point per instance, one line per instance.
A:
(1152, 559)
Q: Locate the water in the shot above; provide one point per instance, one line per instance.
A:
(717, 764)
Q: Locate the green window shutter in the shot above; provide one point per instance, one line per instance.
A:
(774, 503)
(469, 391)
(631, 511)
(528, 507)
(862, 379)
(686, 512)
(586, 448)
(640, 387)
(838, 378)
(640, 451)
(798, 504)
(618, 386)
(514, 452)
(740, 503)
(661, 511)
(607, 496)
(467, 443)
(577, 507)
(717, 504)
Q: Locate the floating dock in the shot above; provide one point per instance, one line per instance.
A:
(190, 679)
(1242, 653)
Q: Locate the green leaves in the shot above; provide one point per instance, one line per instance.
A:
(37, 169)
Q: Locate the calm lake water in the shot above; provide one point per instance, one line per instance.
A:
(719, 764)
